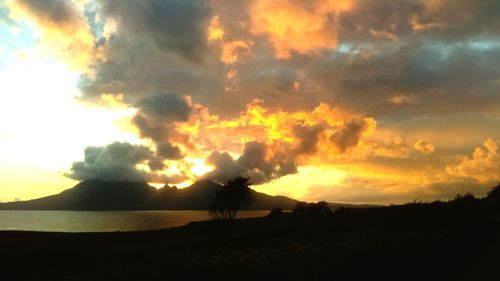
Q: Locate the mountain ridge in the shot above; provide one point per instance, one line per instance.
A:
(99, 195)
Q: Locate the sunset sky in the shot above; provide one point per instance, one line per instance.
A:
(359, 101)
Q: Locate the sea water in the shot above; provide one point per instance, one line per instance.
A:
(100, 221)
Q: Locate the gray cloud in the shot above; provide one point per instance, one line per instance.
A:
(349, 134)
(176, 26)
(150, 128)
(165, 107)
(225, 167)
(119, 161)
(256, 162)
(159, 46)
(308, 136)
(168, 151)
(116, 161)
(156, 120)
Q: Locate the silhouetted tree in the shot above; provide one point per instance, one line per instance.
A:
(320, 208)
(466, 199)
(313, 209)
(300, 209)
(494, 194)
(233, 195)
(276, 213)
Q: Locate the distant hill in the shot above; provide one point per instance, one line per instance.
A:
(109, 195)
(98, 195)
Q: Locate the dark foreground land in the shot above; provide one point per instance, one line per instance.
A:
(458, 240)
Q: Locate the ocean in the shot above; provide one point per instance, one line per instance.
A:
(103, 221)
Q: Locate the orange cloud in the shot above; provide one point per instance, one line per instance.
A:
(298, 26)
(215, 31)
(484, 165)
(321, 135)
(400, 99)
(231, 50)
(424, 147)
(232, 74)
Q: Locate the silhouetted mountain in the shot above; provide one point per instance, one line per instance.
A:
(111, 195)
(108, 195)
(454, 240)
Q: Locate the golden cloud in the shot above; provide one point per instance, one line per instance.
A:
(298, 26)
(215, 31)
(231, 50)
(321, 135)
(484, 165)
(424, 147)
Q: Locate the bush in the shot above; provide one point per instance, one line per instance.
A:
(311, 209)
(464, 199)
(230, 198)
(276, 213)
(494, 194)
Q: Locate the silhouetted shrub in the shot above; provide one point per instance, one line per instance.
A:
(415, 203)
(276, 213)
(494, 194)
(300, 209)
(464, 199)
(311, 209)
(230, 198)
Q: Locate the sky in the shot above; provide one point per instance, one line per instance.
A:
(358, 101)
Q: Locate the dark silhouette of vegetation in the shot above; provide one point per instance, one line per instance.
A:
(494, 194)
(457, 239)
(312, 209)
(466, 199)
(276, 213)
(232, 196)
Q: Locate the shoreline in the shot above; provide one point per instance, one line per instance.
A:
(412, 242)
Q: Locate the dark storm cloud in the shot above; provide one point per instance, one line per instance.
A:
(166, 107)
(116, 161)
(158, 46)
(168, 151)
(256, 162)
(149, 128)
(254, 157)
(376, 20)
(308, 136)
(385, 47)
(390, 20)
(225, 167)
(119, 161)
(427, 75)
(173, 25)
(349, 134)
(157, 114)
(156, 118)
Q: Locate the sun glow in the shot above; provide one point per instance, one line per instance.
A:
(42, 125)
(200, 167)
(156, 185)
(298, 185)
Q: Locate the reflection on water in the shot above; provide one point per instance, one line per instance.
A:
(84, 221)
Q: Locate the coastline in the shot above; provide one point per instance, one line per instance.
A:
(414, 242)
